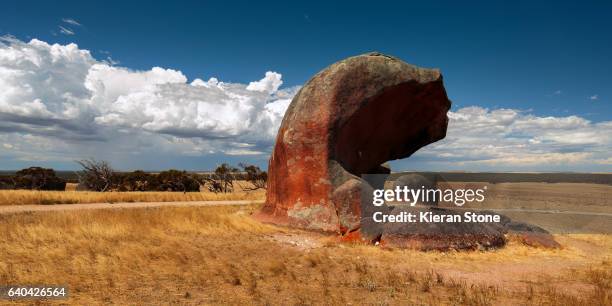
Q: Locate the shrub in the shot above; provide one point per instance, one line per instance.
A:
(137, 181)
(175, 180)
(38, 178)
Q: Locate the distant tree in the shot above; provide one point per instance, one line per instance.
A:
(255, 176)
(222, 180)
(96, 175)
(138, 181)
(38, 178)
(175, 180)
(225, 175)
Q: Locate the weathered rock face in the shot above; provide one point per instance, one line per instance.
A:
(348, 120)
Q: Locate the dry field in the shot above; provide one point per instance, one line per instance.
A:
(550, 196)
(219, 255)
(70, 196)
(557, 207)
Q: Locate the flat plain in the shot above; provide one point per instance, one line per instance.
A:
(221, 255)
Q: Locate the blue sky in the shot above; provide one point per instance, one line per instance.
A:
(544, 59)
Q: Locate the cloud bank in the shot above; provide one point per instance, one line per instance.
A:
(508, 139)
(58, 103)
(60, 93)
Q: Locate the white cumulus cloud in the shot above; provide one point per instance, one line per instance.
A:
(270, 83)
(61, 91)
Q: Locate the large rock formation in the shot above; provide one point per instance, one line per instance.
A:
(346, 121)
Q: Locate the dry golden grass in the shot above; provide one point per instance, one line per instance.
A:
(17, 197)
(219, 255)
(71, 186)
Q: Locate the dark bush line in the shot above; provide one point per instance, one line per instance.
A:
(100, 176)
(170, 180)
(33, 178)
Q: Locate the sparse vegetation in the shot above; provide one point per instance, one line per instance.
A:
(104, 185)
(97, 175)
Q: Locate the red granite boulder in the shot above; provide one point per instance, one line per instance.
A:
(345, 124)
(346, 121)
